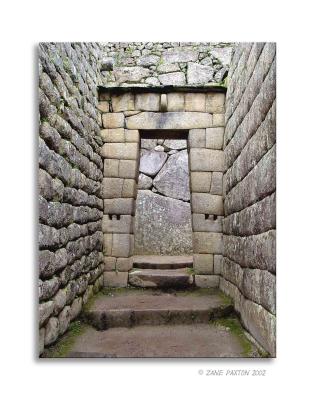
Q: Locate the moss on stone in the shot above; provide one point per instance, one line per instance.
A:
(63, 346)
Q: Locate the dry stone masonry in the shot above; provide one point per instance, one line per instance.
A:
(249, 264)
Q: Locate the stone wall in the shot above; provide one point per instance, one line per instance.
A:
(165, 63)
(124, 116)
(69, 184)
(249, 264)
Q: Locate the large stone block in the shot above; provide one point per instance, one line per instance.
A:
(122, 151)
(199, 74)
(103, 106)
(119, 206)
(129, 188)
(112, 188)
(151, 162)
(130, 74)
(174, 55)
(195, 102)
(132, 136)
(128, 169)
(113, 135)
(207, 243)
(218, 120)
(114, 225)
(123, 102)
(121, 245)
(214, 138)
(113, 120)
(51, 331)
(200, 182)
(217, 264)
(115, 279)
(206, 160)
(147, 102)
(215, 103)
(172, 79)
(111, 167)
(162, 225)
(217, 183)
(204, 203)
(110, 263)
(203, 223)
(197, 138)
(124, 264)
(203, 264)
(169, 120)
(144, 182)
(207, 281)
(175, 102)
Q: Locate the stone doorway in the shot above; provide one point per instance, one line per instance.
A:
(163, 211)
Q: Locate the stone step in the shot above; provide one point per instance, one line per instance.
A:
(161, 278)
(162, 262)
(198, 340)
(132, 307)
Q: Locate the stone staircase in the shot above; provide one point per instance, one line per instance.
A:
(161, 314)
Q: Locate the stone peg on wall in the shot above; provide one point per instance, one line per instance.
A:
(163, 103)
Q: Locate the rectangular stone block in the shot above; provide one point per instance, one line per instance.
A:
(207, 243)
(113, 120)
(107, 244)
(124, 264)
(200, 182)
(113, 135)
(169, 120)
(147, 102)
(203, 264)
(115, 279)
(121, 245)
(204, 203)
(122, 151)
(217, 183)
(206, 160)
(109, 263)
(217, 264)
(111, 167)
(197, 138)
(215, 103)
(119, 206)
(112, 188)
(206, 223)
(207, 281)
(129, 188)
(218, 120)
(132, 136)
(214, 138)
(128, 169)
(103, 106)
(195, 102)
(175, 102)
(114, 225)
(123, 102)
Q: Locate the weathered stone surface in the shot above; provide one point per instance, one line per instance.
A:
(175, 102)
(149, 144)
(130, 74)
(179, 55)
(144, 182)
(209, 224)
(175, 144)
(195, 102)
(122, 151)
(217, 264)
(203, 264)
(111, 167)
(112, 188)
(223, 54)
(124, 264)
(103, 106)
(169, 120)
(207, 281)
(129, 188)
(148, 60)
(121, 245)
(41, 340)
(204, 203)
(173, 178)
(215, 103)
(64, 319)
(166, 68)
(200, 182)
(208, 243)
(162, 262)
(113, 120)
(128, 168)
(199, 74)
(151, 162)
(147, 278)
(75, 308)
(115, 279)
(45, 311)
(162, 225)
(218, 120)
(113, 135)
(197, 138)
(123, 102)
(206, 160)
(214, 138)
(217, 183)
(119, 206)
(147, 102)
(51, 331)
(114, 225)
(172, 79)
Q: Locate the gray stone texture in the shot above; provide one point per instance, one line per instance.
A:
(249, 242)
(151, 162)
(162, 225)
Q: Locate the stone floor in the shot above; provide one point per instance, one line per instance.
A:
(147, 323)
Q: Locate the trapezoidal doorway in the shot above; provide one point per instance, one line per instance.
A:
(163, 211)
